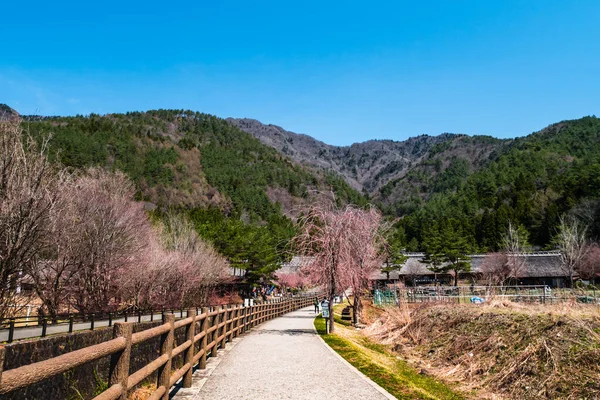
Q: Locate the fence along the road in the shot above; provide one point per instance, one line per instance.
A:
(27, 327)
(216, 327)
(469, 294)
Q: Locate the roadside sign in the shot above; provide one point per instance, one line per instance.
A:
(325, 308)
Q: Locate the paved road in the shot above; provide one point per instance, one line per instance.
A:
(285, 359)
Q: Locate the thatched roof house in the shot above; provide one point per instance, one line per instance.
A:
(541, 268)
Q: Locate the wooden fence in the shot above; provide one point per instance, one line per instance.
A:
(216, 326)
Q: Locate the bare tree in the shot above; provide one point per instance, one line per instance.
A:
(496, 269)
(201, 267)
(27, 194)
(142, 284)
(51, 274)
(572, 243)
(590, 267)
(411, 271)
(515, 245)
(110, 237)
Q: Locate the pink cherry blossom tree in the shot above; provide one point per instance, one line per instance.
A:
(366, 258)
(343, 245)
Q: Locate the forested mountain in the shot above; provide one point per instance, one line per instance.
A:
(367, 166)
(238, 178)
(189, 159)
(472, 185)
(7, 112)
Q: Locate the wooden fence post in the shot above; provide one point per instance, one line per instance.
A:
(228, 325)
(119, 361)
(236, 324)
(2, 352)
(261, 313)
(166, 347)
(240, 322)
(224, 328)
(249, 317)
(204, 327)
(254, 315)
(233, 322)
(244, 319)
(217, 332)
(190, 332)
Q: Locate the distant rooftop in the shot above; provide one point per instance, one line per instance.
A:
(538, 264)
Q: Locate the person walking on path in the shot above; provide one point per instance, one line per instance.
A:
(316, 306)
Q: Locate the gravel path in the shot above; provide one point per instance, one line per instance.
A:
(285, 359)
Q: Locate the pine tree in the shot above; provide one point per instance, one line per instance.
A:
(454, 250)
(433, 251)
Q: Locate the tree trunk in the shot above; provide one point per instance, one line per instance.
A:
(356, 309)
(331, 320)
(331, 297)
(455, 278)
(571, 280)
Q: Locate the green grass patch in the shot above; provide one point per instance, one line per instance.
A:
(376, 362)
(337, 313)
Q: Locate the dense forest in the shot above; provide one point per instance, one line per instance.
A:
(530, 181)
(243, 195)
(471, 185)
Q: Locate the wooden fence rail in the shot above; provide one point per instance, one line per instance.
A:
(216, 327)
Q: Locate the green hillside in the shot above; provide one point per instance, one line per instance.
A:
(530, 181)
(179, 157)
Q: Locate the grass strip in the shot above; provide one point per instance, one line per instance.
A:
(389, 372)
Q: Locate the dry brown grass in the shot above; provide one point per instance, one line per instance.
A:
(142, 393)
(501, 349)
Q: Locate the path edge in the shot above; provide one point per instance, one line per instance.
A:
(354, 369)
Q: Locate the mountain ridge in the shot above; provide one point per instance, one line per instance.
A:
(473, 185)
(367, 166)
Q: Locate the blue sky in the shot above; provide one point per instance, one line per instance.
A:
(340, 71)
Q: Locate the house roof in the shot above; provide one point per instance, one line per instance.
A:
(537, 265)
